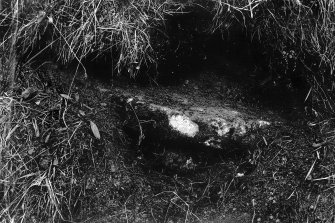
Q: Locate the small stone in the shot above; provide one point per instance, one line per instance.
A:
(240, 175)
(82, 113)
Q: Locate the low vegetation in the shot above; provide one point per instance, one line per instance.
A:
(49, 140)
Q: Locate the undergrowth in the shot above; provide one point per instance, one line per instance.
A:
(37, 181)
(297, 37)
(76, 29)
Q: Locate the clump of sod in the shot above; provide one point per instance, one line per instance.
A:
(76, 29)
(298, 37)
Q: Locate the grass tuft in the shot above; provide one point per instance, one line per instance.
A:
(39, 155)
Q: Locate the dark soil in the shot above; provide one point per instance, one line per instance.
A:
(272, 182)
(283, 177)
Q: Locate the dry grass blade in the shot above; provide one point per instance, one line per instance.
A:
(34, 178)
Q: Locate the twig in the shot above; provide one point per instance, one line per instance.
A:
(254, 213)
(141, 136)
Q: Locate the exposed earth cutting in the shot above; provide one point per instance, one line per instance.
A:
(206, 150)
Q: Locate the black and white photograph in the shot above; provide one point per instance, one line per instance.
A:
(167, 111)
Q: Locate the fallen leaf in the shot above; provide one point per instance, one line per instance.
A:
(65, 96)
(95, 130)
(47, 138)
(55, 163)
(37, 131)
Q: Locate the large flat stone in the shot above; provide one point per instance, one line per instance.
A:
(164, 114)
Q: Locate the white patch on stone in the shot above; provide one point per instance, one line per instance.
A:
(240, 126)
(221, 126)
(215, 143)
(183, 125)
(263, 123)
(154, 107)
(242, 130)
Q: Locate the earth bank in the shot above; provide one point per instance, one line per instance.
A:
(273, 174)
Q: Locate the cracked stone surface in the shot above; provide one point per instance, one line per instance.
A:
(189, 115)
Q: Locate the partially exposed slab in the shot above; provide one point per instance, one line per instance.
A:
(166, 114)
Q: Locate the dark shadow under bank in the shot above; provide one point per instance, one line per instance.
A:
(182, 157)
(188, 49)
